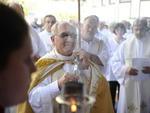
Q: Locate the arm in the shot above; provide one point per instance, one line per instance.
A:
(103, 54)
(43, 94)
(96, 59)
(118, 64)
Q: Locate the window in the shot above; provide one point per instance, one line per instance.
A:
(124, 1)
(145, 0)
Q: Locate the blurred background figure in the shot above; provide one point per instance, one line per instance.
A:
(36, 25)
(38, 46)
(45, 35)
(95, 47)
(128, 27)
(114, 42)
(129, 70)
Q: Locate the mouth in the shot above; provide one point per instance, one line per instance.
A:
(69, 44)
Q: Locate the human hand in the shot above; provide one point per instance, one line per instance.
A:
(146, 70)
(83, 58)
(132, 71)
(66, 78)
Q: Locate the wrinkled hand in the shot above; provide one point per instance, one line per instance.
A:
(146, 70)
(66, 78)
(132, 71)
(83, 57)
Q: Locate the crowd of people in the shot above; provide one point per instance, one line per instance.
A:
(114, 61)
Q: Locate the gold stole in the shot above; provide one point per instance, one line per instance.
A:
(45, 68)
(103, 102)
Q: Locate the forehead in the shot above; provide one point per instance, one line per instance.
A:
(49, 18)
(66, 27)
(140, 23)
(90, 21)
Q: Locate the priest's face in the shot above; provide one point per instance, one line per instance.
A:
(65, 40)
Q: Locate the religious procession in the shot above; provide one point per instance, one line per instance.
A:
(87, 64)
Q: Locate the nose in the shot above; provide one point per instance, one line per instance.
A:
(70, 39)
(89, 29)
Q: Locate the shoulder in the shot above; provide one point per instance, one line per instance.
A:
(96, 40)
(44, 62)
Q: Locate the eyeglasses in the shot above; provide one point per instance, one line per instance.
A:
(66, 34)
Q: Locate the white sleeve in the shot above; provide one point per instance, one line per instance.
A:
(41, 46)
(118, 64)
(38, 46)
(40, 97)
(103, 54)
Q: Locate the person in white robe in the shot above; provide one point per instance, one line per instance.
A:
(45, 35)
(41, 97)
(54, 66)
(97, 48)
(134, 88)
(38, 46)
(114, 43)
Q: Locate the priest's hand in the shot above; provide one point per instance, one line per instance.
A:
(66, 78)
(146, 70)
(132, 71)
(84, 57)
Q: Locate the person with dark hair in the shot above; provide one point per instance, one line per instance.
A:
(131, 67)
(128, 27)
(114, 42)
(45, 35)
(15, 60)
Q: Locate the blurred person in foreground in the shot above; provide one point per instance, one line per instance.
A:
(131, 67)
(56, 68)
(15, 60)
(95, 48)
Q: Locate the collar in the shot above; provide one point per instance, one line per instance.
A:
(55, 55)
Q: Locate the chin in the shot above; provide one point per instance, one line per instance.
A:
(68, 53)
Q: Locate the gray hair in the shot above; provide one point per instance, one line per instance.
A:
(56, 27)
(143, 23)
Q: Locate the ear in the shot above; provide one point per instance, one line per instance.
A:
(52, 38)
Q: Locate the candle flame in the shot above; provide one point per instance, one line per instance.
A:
(73, 106)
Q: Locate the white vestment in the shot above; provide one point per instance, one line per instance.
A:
(113, 45)
(99, 48)
(134, 93)
(38, 46)
(46, 39)
(42, 96)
